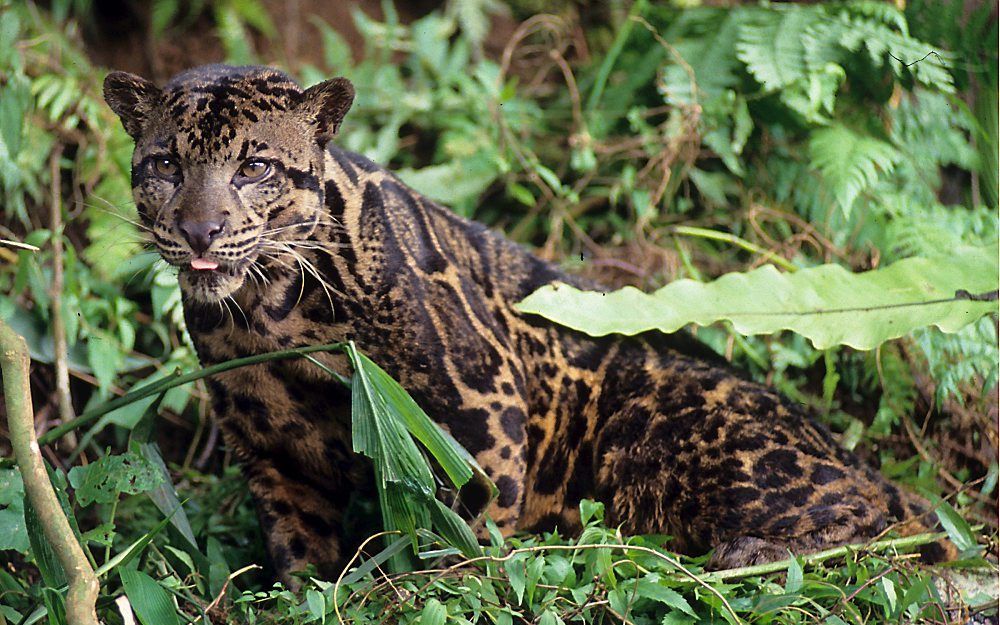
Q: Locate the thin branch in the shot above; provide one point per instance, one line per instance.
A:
(83, 587)
(65, 399)
(895, 544)
(177, 379)
(225, 586)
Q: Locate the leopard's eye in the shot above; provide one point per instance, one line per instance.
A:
(166, 168)
(254, 169)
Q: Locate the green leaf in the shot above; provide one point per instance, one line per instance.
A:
(105, 358)
(650, 588)
(103, 481)
(103, 534)
(916, 594)
(434, 613)
(453, 529)
(401, 407)
(677, 618)
(711, 57)
(621, 599)
(590, 509)
(827, 304)
(889, 590)
(517, 572)
(151, 603)
(850, 162)
(164, 497)
(316, 604)
(377, 560)
(534, 575)
(549, 618)
(454, 182)
(958, 528)
(55, 606)
(384, 418)
(793, 583)
(13, 533)
(15, 101)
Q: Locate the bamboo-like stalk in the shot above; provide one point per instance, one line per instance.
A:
(159, 386)
(83, 587)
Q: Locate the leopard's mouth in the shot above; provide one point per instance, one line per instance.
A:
(210, 280)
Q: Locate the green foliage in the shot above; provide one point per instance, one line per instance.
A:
(796, 134)
(13, 535)
(848, 162)
(385, 421)
(105, 480)
(827, 304)
(151, 603)
(602, 576)
(772, 46)
(968, 358)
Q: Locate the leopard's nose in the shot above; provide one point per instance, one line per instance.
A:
(200, 234)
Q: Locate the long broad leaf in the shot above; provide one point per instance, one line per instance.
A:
(150, 601)
(827, 304)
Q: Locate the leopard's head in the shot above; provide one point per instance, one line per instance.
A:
(228, 166)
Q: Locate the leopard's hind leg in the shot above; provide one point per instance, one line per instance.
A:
(752, 477)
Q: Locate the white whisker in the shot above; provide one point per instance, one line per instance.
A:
(306, 266)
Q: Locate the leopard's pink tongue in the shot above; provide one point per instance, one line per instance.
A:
(202, 264)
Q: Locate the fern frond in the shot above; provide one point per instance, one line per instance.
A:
(923, 230)
(848, 162)
(880, 11)
(931, 130)
(822, 44)
(707, 51)
(928, 64)
(772, 47)
(966, 360)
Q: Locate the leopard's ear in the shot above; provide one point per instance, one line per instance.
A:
(133, 98)
(325, 106)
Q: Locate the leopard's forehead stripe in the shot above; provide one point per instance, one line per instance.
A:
(210, 106)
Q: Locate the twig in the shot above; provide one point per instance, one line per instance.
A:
(905, 542)
(225, 586)
(65, 399)
(340, 578)
(83, 587)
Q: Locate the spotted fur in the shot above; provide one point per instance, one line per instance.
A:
(331, 247)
